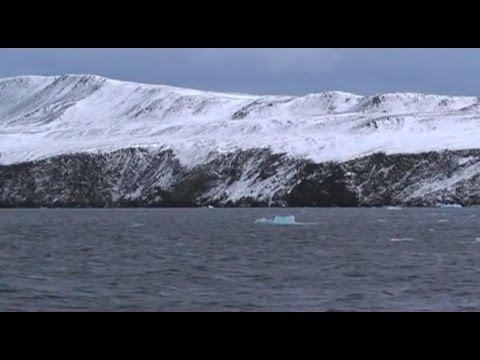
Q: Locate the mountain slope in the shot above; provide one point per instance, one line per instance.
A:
(48, 116)
(139, 177)
(83, 140)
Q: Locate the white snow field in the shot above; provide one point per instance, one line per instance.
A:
(42, 117)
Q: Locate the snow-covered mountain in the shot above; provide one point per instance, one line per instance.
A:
(161, 145)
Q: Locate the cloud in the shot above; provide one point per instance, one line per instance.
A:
(271, 60)
(274, 71)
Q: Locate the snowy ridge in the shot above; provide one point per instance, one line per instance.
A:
(42, 117)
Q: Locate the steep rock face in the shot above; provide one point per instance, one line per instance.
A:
(323, 185)
(427, 179)
(141, 177)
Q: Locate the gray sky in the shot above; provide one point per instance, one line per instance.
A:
(265, 71)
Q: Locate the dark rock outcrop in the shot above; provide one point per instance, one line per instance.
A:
(144, 178)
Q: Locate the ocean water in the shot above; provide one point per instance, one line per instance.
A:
(221, 260)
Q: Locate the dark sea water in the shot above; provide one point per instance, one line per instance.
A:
(220, 260)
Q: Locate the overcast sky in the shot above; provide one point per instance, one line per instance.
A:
(265, 71)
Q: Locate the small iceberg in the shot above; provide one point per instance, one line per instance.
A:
(450, 205)
(394, 208)
(401, 239)
(278, 220)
